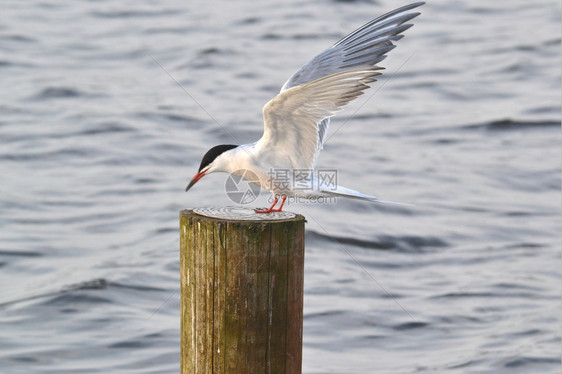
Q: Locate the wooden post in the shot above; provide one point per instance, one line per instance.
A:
(241, 291)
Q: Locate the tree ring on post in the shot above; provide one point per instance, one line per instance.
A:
(242, 214)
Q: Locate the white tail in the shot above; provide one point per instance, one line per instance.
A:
(349, 193)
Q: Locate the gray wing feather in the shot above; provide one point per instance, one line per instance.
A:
(366, 46)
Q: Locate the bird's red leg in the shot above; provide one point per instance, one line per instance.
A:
(282, 202)
(271, 207)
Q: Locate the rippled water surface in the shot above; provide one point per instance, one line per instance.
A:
(98, 140)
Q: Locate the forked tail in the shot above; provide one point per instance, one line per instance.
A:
(352, 194)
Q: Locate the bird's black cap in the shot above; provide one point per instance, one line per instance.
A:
(213, 153)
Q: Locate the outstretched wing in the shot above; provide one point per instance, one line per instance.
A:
(291, 118)
(364, 47)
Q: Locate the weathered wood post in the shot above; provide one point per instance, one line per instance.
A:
(241, 291)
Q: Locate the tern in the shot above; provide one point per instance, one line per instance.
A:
(296, 121)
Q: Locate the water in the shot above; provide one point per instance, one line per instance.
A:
(98, 143)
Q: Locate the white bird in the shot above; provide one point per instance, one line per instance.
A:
(296, 120)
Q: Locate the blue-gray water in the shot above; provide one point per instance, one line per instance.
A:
(97, 143)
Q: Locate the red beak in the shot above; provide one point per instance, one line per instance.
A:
(195, 179)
